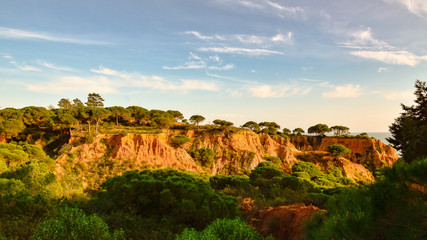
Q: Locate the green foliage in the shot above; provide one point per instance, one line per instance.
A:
(11, 122)
(273, 159)
(36, 116)
(222, 123)
(179, 140)
(392, 208)
(286, 131)
(73, 224)
(269, 125)
(37, 178)
(319, 129)
(338, 150)
(65, 103)
(94, 100)
(252, 126)
(310, 172)
(205, 156)
(119, 113)
(19, 210)
(161, 122)
(409, 131)
(12, 154)
(340, 130)
(298, 131)
(138, 114)
(167, 193)
(222, 229)
(220, 182)
(196, 119)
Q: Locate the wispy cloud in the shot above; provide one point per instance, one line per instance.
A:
(24, 67)
(418, 7)
(197, 62)
(346, 91)
(11, 33)
(260, 41)
(53, 66)
(391, 57)
(276, 91)
(240, 51)
(382, 69)
(372, 48)
(68, 84)
(270, 7)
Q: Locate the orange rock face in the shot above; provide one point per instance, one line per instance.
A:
(283, 222)
(366, 151)
(237, 152)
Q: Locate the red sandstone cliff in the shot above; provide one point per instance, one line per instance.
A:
(109, 155)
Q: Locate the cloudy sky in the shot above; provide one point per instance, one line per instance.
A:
(297, 63)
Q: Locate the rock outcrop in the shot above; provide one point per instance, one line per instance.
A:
(237, 152)
(283, 222)
(369, 152)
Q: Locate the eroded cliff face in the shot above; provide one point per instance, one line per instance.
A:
(239, 152)
(369, 152)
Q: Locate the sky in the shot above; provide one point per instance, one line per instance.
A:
(297, 63)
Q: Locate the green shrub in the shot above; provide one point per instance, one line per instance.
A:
(308, 167)
(338, 150)
(165, 192)
(73, 224)
(12, 154)
(205, 156)
(179, 140)
(222, 229)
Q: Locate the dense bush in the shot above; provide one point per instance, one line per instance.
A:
(222, 229)
(73, 224)
(392, 208)
(338, 150)
(179, 140)
(205, 156)
(167, 193)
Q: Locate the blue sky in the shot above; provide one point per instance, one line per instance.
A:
(297, 63)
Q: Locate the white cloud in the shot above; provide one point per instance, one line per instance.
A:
(382, 69)
(270, 7)
(347, 91)
(391, 57)
(364, 40)
(276, 91)
(418, 7)
(25, 67)
(371, 48)
(240, 51)
(7, 56)
(285, 11)
(188, 65)
(11, 33)
(53, 67)
(197, 62)
(221, 68)
(199, 35)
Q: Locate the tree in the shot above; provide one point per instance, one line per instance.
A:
(252, 126)
(269, 125)
(338, 150)
(409, 130)
(340, 130)
(94, 100)
(196, 119)
(36, 116)
(298, 131)
(286, 131)
(73, 224)
(66, 119)
(177, 115)
(11, 123)
(65, 103)
(222, 123)
(139, 114)
(319, 129)
(119, 113)
(97, 115)
(78, 103)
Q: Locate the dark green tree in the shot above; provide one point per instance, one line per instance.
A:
(65, 119)
(340, 130)
(11, 123)
(77, 103)
(409, 130)
(319, 129)
(222, 123)
(298, 131)
(286, 131)
(138, 114)
(36, 116)
(196, 119)
(338, 150)
(94, 100)
(73, 224)
(177, 115)
(119, 113)
(65, 103)
(252, 126)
